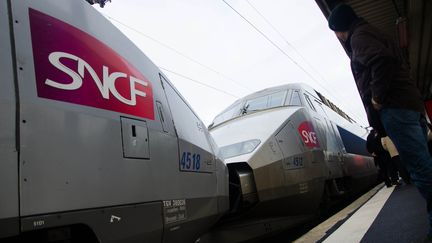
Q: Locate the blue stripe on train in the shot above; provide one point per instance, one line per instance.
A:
(353, 143)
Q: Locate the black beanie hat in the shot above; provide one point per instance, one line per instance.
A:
(341, 18)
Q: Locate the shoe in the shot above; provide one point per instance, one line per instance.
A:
(396, 183)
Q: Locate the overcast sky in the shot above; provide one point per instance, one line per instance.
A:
(208, 42)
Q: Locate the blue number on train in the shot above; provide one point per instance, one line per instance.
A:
(190, 161)
(196, 161)
(298, 161)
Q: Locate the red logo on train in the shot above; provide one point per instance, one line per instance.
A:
(308, 134)
(73, 66)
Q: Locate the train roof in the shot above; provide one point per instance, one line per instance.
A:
(275, 89)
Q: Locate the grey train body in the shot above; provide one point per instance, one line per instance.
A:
(95, 142)
(289, 150)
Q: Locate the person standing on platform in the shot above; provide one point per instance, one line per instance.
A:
(381, 158)
(388, 146)
(388, 93)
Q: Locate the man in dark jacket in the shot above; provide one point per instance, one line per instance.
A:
(392, 102)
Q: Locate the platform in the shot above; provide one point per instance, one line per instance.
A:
(395, 214)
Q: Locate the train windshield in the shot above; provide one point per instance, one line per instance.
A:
(230, 112)
(265, 102)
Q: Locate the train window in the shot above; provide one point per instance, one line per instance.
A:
(309, 102)
(276, 99)
(320, 109)
(295, 99)
(257, 103)
(228, 114)
(265, 102)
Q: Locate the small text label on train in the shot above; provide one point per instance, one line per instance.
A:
(174, 210)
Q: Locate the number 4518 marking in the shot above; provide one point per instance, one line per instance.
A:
(190, 161)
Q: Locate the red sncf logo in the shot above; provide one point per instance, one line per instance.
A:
(75, 67)
(308, 134)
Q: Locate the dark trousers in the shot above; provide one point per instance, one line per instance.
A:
(407, 130)
(396, 161)
(387, 172)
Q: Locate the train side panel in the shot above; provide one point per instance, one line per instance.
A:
(9, 211)
(198, 169)
(77, 156)
(78, 148)
(294, 184)
(98, 141)
(349, 166)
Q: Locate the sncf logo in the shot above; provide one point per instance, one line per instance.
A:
(73, 66)
(308, 134)
(105, 86)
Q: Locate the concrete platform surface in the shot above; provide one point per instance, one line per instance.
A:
(395, 214)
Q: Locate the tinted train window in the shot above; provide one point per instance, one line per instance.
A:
(295, 99)
(257, 104)
(319, 107)
(309, 102)
(276, 99)
(266, 102)
(228, 114)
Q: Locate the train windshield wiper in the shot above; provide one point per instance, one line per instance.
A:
(244, 110)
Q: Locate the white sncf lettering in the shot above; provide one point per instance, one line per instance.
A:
(105, 88)
(309, 137)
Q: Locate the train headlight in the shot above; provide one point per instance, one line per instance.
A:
(237, 149)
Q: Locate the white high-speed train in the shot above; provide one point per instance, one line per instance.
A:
(289, 150)
(96, 145)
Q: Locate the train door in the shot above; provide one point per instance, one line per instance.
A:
(196, 166)
(288, 138)
(333, 153)
(318, 120)
(9, 211)
(196, 153)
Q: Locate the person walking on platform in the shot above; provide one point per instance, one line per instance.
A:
(388, 146)
(388, 93)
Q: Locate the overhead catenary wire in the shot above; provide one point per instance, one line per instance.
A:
(295, 49)
(214, 70)
(285, 40)
(179, 53)
(271, 42)
(198, 82)
(277, 47)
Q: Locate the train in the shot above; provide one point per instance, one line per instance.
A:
(290, 152)
(96, 144)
